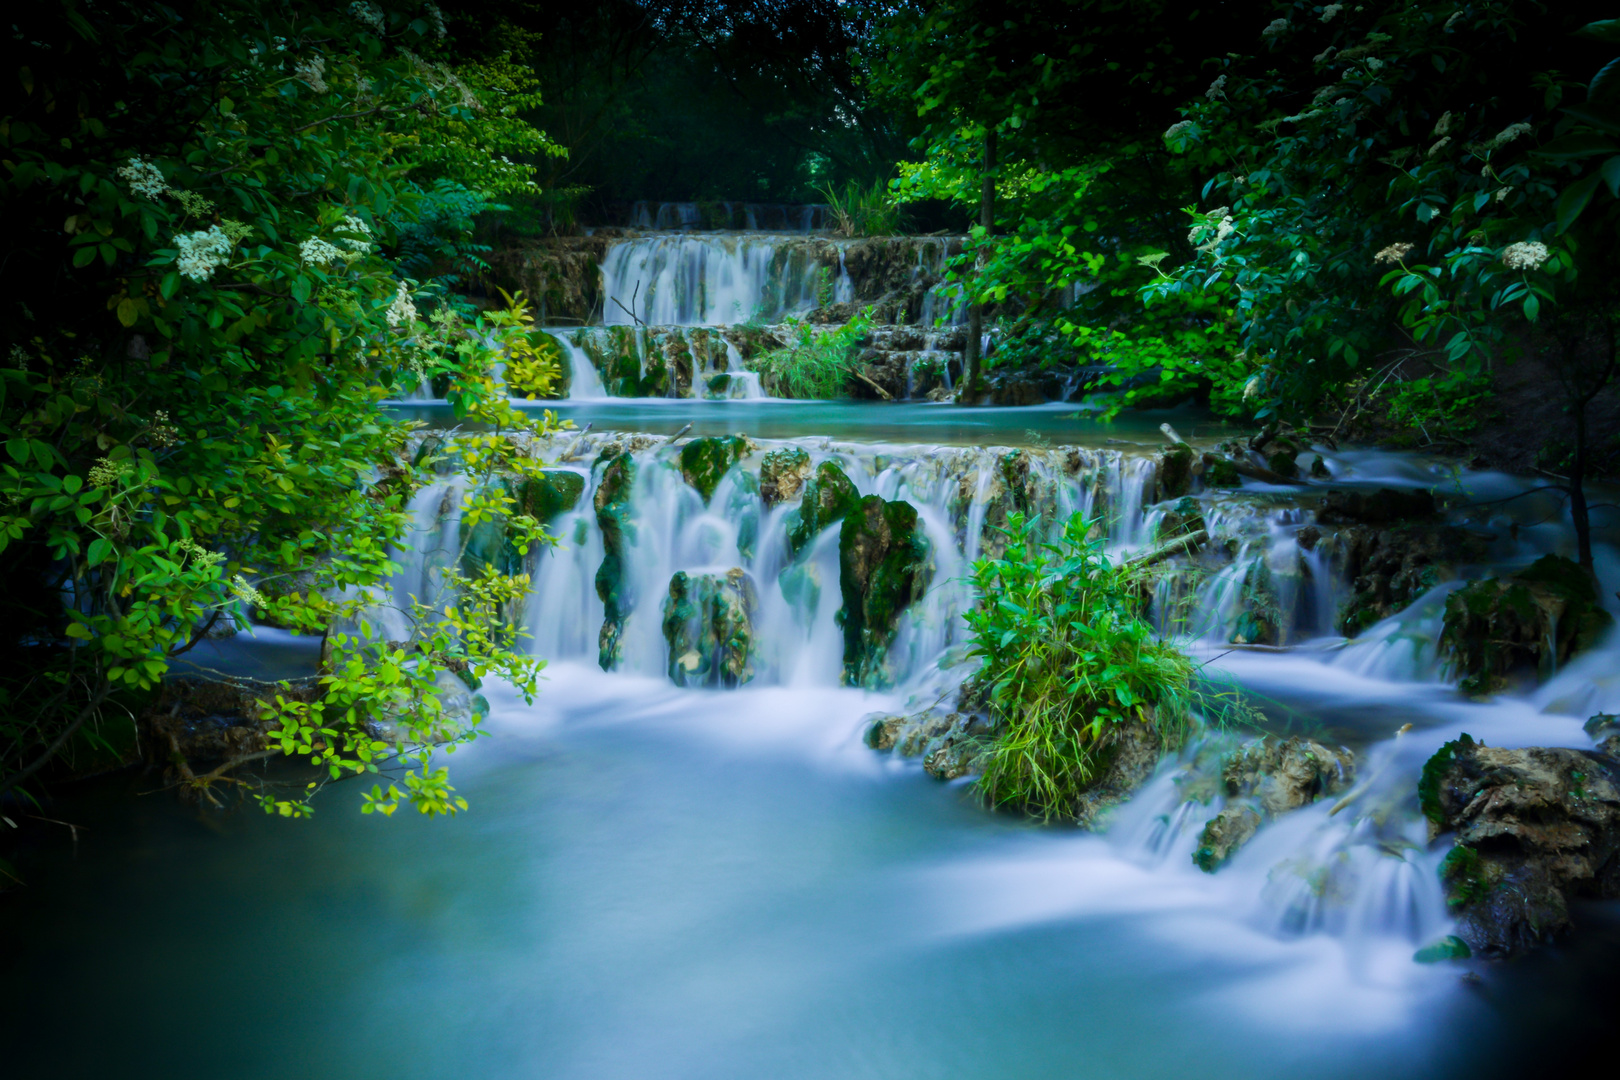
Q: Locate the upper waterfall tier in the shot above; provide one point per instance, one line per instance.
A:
(719, 280)
(727, 214)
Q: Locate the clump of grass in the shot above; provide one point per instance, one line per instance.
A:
(1068, 660)
(858, 211)
(813, 363)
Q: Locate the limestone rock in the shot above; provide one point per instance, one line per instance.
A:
(828, 496)
(885, 565)
(1535, 828)
(705, 462)
(613, 493)
(1175, 471)
(1263, 779)
(709, 627)
(783, 474)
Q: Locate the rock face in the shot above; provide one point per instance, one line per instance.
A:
(1534, 828)
(884, 567)
(1375, 508)
(1265, 778)
(783, 474)
(1533, 620)
(705, 462)
(207, 722)
(828, 496)
(1129, 753)
(1391, 567)
(613, 516)
(951, 744)
(1175, 471)
(709, 625)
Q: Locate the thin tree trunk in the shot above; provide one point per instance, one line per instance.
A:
(1577, 492)
(972, 360)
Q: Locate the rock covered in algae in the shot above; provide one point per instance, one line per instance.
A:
(884, 566)
(1220, 472)
(1185, 518)
(828, 496)
(705, 462)
(1263, 779)
(1535, 619)
(1375, 507)
(1535, 828)
(613, 493)
(709, 626)
(1392, 567)
(1175, 471)
(783, 473)
(545, 497)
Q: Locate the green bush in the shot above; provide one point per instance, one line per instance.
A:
(1068, 659)
(814, 363)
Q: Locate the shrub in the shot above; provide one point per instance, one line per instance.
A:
(813, 364)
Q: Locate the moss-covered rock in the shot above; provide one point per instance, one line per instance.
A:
(1534, 620)
(1263, 779)
(1175, 471)
(613, 494)
(1183, 519)
(1260, 617)
(828, 496)
(885, 564)
(552, 494)
(782, 474)
(1535, 829)
(1284, 462)
(709, 626)
(705, 462)
(1220, 472)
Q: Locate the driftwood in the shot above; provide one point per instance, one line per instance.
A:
(1175, 547)
(868, 381)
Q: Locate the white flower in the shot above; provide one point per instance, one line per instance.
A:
(1224, 229)
(1330, 11)
(401, 310)
(1508, 134)
(370, 14)
(436, 17)
(1525, 255)
(360, 243)
(1275, 27)
(144, 178)
(106, 472)
(318, 252)
(1394, 253)
(313, 71)
(1437, 147)
(1453, 20)
(247, 593)
(1503, 193)
(1216, 88)
(1373, 63)
(1251, 388)
(202, 252)
(1178, 128)
(1442, 126)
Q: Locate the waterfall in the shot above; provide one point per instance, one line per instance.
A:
(710, 280)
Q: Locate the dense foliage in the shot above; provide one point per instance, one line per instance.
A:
(203, 320)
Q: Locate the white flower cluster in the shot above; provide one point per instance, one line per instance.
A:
(161, 433)
(360, 241)
(1455, 15)
(1394, 253)
(318, 252)
(1525, 255)
(1439, 146)
(1325, 54)
(202, 252)
(1502, 193)
(1373, 63)
(106, 472)
(1442, 126)
(1216, 88)
(1177, 128)
(436, 17)
(144, 178)
(247, 593)
(370, 14)
(1330, 11)
(312, 70)
(1274, 28)
(1507, 135)
(1220, 220)
(401, 310)
(192, 203)
(199, 555)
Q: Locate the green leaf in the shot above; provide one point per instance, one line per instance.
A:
(1605, 85)
(1603, 30)
(100, 548)
(1611, 175)
(1575, 146)
(1574, 200)
(83, 257)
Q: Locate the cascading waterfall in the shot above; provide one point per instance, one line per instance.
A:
(713, 280)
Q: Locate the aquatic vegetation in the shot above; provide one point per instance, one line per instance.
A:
(705, 461)
(884, 568)
(812, 362)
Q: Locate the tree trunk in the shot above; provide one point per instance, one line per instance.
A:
(1577, 492)
(972, 359)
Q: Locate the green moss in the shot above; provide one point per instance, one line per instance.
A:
(1450, 947)
(1434, 770)
(613, 494)
(1465, 875)
(1175, 471)
(705, 462)
(884, 567)
(828, 496)
(1220, 472)
(782, 474)
(552, 494)
(708, 625)
(1535, 619)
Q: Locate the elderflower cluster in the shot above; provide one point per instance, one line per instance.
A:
(199, 555)
(1330, 11)
(247, 593)
(1373, 63)
(202, 252)
(318, 252)
(1502, 193)
(312, 70)
(1177, 128)
(1442, 126)
(360, 242)
(19, 357)
(1439, 146)
(1394, 253)
(106, 472)
(161, 433)
(436, 17)
(370, 14)
(144, 178)
(1455, 15)
(1525, 255)
(1325, 54)
(401, 310)
(1507, 135)
(192, 203)
(1274, 28)
(1216, 88)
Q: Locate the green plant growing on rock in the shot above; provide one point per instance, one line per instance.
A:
(1072, 671)
(884, 566)
(863, 211)
(813, 363)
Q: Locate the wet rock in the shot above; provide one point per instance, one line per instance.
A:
(709, 627)
(1014, 483)
(552, 494)
(883, 731)
(1375, 507)
(1535, 828)
(828, 496)
(1390, 568)
(1605, 731)
(1263, 779)
(1175, 471)
(783, 474)
(1260, 619)
(1129, 753)
(1534, 620)
(613, 516)
(1319, 469)
(705, 462)
(951, 744)
(1220, 472)
(1185, 518)
(1016, 388)
(885, 565)
(1284, 462)
(200, 722)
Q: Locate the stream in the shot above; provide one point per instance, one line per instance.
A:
(656, 881)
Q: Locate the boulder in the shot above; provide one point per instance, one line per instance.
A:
(613, 494)
(783, 474)
(1535, 828)
(885, 565)
(705, 462)
(1220, 472)
(1263, 779)
(1534, 620)
(709, 626)
(1390, 568)
(828, 496)
(1175, 471)
(1185, 518)
(1375, 507)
